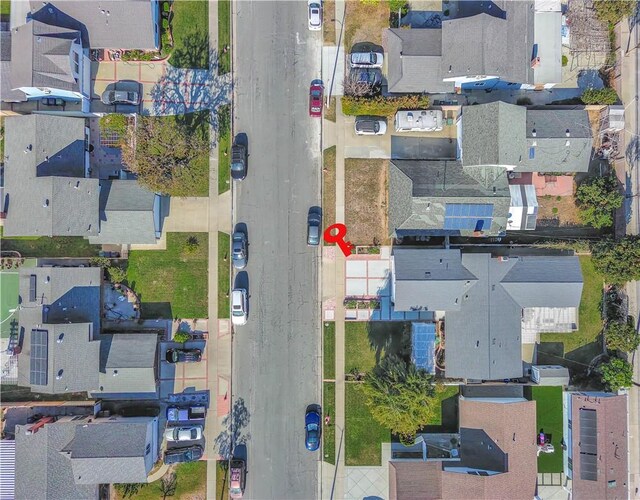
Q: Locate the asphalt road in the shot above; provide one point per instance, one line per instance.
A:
(276, 355)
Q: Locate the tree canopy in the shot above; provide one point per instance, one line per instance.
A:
(622, 336)
(597, 198)
(605, 95)
(613, 11)
(616, 374)
(401, 397)
(618, 260)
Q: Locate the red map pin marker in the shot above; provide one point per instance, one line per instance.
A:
(338, 238)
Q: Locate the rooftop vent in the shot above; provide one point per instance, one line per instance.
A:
(533, 132)
(60, 338)
(59, 375)
(567, 133)
(46, 203)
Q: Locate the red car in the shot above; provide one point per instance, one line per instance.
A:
(315, 98)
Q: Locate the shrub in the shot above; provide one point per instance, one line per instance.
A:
(181, 337)
(382, 105)
(191, 245)
(165, 6)
(116, 274)
(554, 210)
(396, 5)
(618, 261)
(565, 60)
(99, 262)
(616, 374)
(622, 337)
(524, 101)
(165, 24)
(114, 122)
(369, 2)
(605, 95)
(597, 198)
(613, 11)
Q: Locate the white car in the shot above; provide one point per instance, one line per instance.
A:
(315, 15)
(239, 306)
(370, 125)
(192, 433)
(366, 59)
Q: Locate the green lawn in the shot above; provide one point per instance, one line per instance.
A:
(549, 419)
(224, 148)
(222, 480)
(58, 246)
(5, 10)
(224, 36)
(447, 416)
(191, 482)
(366, 343)
(329, 350)
(190, 28)
(329, 431)
(224, 274)
(171, 283)
(582, 345)
(363, 435)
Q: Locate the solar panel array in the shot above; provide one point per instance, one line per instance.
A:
(39, 357)
(469, 216)
(423, 349)
(588, 444)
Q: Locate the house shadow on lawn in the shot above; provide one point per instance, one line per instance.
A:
(156, 310)
(577, 361)
(387, 338)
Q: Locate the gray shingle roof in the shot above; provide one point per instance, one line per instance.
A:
(44, 168)
(414, 61)
(41, 56)
(420, 189)
(486, 44)
(126, 213)
(110, 24)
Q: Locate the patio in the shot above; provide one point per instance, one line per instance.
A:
(120, 303)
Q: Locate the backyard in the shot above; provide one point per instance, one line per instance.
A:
(560, 208)
(329, 186)
(190, 29)
(44, 246)
(366, 200)
(224, 274)
(190, 482)
(172, 283)
(548, 420)
(575, 350)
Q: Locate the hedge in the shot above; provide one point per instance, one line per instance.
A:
(382, 105)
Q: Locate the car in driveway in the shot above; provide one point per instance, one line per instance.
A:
(177, 414)
(312, 428)
(315, 15)
(239, 250)
(190, 433)
(370, 125)
(180, 455)
(183, 355)
(239, 158)
(368, 59)
(110, 97)
(372, 76)
(315, 98)
(314, 226)
(237, 478)
(239, 306)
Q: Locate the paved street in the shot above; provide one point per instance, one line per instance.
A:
(276, 355)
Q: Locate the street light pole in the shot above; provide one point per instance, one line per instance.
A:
(335, 64)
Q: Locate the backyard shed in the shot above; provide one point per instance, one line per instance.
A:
(553, 375)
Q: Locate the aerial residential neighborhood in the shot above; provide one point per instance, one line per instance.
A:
(319, 249)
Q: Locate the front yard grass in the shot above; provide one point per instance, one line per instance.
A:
(329, 186)
(582, 345)
(328, 26)
(224, 148)
(363, 435)
(366, 199)
(224, 36)
(366, 343)
(329, 350)
(190, 29)
(330, 112)
(191, 482)
(548, 420)
(222, 480)
(329, 431)
(58, 246)
(172, 283)
(224, 274)
(365, 22)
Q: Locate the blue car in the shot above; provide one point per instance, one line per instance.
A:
(312, 428)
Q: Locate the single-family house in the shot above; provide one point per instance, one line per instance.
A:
(485, 301)
(72, 456)
(493, 456)
(596, 456)
(49, 190)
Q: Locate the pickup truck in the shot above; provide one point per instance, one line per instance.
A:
(175, 414)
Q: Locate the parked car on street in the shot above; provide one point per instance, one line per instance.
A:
(183, 355)
(191, 433)
(179, 455)
(239, 249)
(238, 161)
(315, 15)
(312, 428)
(368, 59)
(176, 414)
(237, 475)
(239, 307)
(120, 97)
(314, 226)
(315, 98)
(370, 125)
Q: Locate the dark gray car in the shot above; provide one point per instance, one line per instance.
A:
(239, 250)
(120, 97)
(179, 455)
(314, 226)
(238, 161)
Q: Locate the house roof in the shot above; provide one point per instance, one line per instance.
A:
(497, 42)
(419, 191)
(599, 427)
(108, 24)
(511, 429)
(126, 213)
(414, 61)
(433, 281)
(44, 178)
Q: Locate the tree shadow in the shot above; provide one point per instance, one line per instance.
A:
(233, 433)
(193, 51)
(155, 310)
(390, 338)
(632, 151)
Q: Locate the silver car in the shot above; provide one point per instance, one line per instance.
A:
(366, 59)
(191, 433)
(370, 125)
(315, 14)
(120, 97)
(239, 250)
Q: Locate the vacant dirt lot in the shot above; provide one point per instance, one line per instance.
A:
(565, 210)
(365, 22)
(366, 201)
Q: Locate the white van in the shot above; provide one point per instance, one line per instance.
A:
(419, 120)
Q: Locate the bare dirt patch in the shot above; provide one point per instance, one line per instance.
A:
(329, 26)
(329, 186)
(366, 201)
(560, 208)
(365, 22)
(330, 112)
